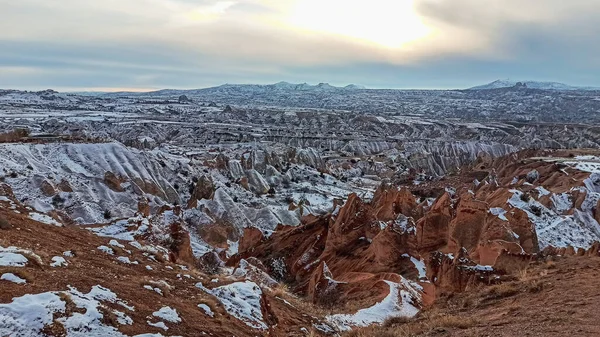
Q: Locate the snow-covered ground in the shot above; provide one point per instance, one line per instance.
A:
(400, 302)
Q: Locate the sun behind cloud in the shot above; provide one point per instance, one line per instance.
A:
(207, 13)
(387, 23)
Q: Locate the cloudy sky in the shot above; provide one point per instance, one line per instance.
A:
(151, 44)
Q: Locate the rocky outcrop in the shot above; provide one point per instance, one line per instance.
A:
(466, 228)
(113, 182)
(144, 207)
(339, 258)
(181, 249)
(456, 273)
(392, 201)
(47, 188)
(64, 186)
(204, 188)
(432, 229)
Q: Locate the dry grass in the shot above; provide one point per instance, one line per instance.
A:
(212, 303)
(33, 258)
(536, 286)
(502, 290)
(524, 275)
(56, 329)
(302, 304)
(159, 258)
(281, 290)
(70, 306)
(109, 318)
(550, 264)
(422, 324)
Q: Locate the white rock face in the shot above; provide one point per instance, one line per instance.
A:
(83, 166)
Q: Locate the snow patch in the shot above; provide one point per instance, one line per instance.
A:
(168, 314)
(242, 301)
(499, 212)
(58, 261)
(106, 250)
(12, 278)
(398, 303)
(206, 310)
(43, 218)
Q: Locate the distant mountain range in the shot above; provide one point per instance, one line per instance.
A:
(281, 87)
(499, 84)
(260, 88)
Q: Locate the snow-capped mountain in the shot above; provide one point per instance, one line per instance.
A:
(498, 84)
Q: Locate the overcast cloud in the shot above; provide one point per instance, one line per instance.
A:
(150, 44)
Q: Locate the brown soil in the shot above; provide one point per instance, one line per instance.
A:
(555, 298)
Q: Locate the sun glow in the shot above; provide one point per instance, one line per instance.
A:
(388, 23)
(207, 13)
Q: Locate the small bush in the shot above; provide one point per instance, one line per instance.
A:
(4, 224)
(535, 287)
(502, 290)
(396, 321)
(57, 201)
(107, 214)
(536, 210)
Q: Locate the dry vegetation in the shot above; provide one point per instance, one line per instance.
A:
(424, 323)
(4, 224)
(454, 313)
(20, 272)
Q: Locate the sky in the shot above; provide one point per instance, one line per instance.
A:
(112, 45)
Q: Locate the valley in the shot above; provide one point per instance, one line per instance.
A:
(298, 210)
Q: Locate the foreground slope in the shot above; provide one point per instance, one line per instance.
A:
(554, 297)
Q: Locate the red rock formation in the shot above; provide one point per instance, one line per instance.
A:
(181, 249)
(251, 238)
(456, 273)
(466, 228)
(432, 229)
(594, 250)
(389, 202)
(113, 182)
(64, 186)
(144, 207)
(47, 188)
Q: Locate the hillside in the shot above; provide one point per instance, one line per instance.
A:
(473, 247)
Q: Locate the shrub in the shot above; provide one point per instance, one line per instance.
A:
(57, 201)
(107, 214)
(502, 290)
(4, 224)
(536, 210)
